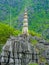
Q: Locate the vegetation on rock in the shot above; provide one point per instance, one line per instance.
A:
(33, 64)
(6, 31)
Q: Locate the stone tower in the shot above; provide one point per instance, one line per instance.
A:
(25, 23)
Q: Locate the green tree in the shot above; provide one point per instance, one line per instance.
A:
(6, 31)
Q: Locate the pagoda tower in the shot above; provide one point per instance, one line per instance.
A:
(25, 23)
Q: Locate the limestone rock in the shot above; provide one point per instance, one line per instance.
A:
(20, 47)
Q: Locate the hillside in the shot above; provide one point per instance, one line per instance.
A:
(12, 11)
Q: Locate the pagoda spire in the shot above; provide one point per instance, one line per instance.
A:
(25, 23)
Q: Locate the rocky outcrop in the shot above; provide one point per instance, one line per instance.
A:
(21, 51)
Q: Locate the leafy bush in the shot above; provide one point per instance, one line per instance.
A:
(33, 41)
(33, 64)
(34, 33)
(6, 31)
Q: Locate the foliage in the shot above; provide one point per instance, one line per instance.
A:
(33, 41)
(33, 64)
(38, 14)
(6, 31)
(42, 59)
(33, 33)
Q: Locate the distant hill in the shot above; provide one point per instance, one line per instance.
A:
(12, 11)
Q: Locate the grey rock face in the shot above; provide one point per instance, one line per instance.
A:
(19, 51)
(19, 47)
